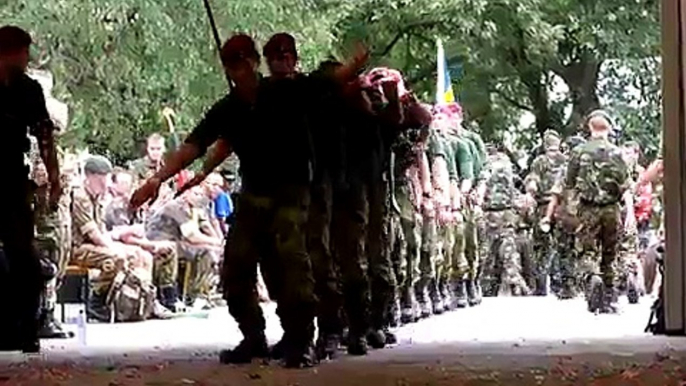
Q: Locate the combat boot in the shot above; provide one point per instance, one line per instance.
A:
(473, 297)
(436, 301)
(299, 356)
(447, 297)
(51, 328)
(169, 298)
(376, 338)
(327, 346)
(390, 337)
(357, 345)
(395, 313)
(609, 303)
(459, 289)
(409, 313)
(249, 348)
(424, 302)
(595, 294)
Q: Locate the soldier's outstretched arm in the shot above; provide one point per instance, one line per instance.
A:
(43, 129)
(216, 155)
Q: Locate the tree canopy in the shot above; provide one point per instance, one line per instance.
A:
(118, 63)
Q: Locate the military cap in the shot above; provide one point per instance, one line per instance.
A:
(13, 39)
(97, 165)
(280, 43)
(237, 47)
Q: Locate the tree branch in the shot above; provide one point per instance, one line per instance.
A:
(511, 101)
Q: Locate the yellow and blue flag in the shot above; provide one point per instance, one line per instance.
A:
(444, 87)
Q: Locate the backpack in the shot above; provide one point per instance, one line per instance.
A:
(500, 188)
(130, 298)
(602, 172)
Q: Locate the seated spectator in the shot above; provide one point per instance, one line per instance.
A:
(95, 247)
(179, 220)
(131, 231)
(220, 205)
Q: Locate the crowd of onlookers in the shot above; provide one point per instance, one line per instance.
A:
(169, 250)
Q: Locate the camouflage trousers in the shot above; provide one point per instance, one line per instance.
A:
(362, 253)
(597, 242)
(459, 264)
(627, 255)
(55, 247)
(504, 261)
(408, 241)
(199, 273)
(525, 248)
(473, 216)
(543, 247)
(427, 286)
(107, 261)
(327, 286)
(165, 271)
(270, 229)
(445, 248)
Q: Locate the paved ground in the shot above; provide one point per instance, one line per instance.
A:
(510, 341)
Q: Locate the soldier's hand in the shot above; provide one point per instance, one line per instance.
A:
(390, 88)
(148, 192)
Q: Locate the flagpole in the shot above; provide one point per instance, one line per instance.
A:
(215, 33)
(440, 72)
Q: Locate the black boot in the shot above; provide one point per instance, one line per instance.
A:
(51, 328)
(376, 338)
(327, 346)
(277, 351)
(395, 314)
(357, 344)
(541, 288)
(299, 356)
(595, 293)
(447, 297)
(248, 349)
(473, 297)
(169, 298)
(436, 299)
(97, 308)
(609, 304)
(390, 337)
(410, 308)
(424, 301)
(460, 293)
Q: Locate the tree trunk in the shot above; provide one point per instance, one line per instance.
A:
(582, 79)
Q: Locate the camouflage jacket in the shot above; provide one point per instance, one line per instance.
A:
(543, 172)
(499, 178)
(171, 221)
(88, 214)
(144, 168)
(117, 213)
(598, 172)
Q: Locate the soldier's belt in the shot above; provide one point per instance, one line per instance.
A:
(598, 204)
(499, 209)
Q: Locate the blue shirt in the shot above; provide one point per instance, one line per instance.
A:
(223, 206)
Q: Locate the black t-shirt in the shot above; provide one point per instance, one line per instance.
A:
(270, 137)
(22, 110)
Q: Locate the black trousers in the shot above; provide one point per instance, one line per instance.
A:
(21, 281)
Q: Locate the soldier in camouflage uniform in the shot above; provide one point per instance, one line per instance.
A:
(440, 156)
(406, 204)
(544, 169)
(627, 259)
(53, 231)
(500, 201)
(165, 256)
(178, 221)
(600, 176)
(145, 167)
(464, 267)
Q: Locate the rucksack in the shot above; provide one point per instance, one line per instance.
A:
(500, 189)
(602, 172)
(130, 298)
